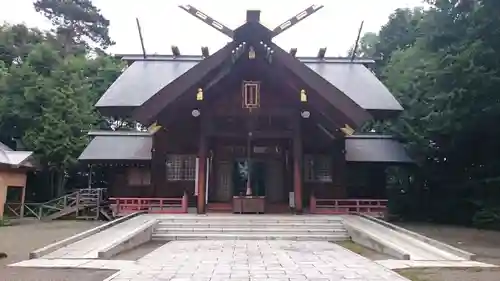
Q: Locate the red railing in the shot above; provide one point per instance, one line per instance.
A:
(348, 206)
(124, 206)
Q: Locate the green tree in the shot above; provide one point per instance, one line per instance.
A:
(76, 21)
(47, 102)
(447, 76)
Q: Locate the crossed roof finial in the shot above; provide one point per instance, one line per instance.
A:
(230, 33)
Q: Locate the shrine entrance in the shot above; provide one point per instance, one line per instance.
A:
(257, 173)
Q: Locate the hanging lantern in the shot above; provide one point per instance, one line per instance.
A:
(303, 95)
(251, 53)
(199, 94)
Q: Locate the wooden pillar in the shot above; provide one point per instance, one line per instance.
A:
(202, 169)
(339, 168)
(3, 196)
(158, 165)
(23, 197)
(297, 166)
(377, 182)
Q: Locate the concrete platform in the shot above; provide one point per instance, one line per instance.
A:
(89, 248)
(396, 243)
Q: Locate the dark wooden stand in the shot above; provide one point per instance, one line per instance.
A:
(249, 204)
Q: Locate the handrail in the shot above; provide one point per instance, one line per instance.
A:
(374, 207)
(39, 210)
(125, 205)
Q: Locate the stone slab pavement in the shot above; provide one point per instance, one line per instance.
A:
(231, 260)
(254, 260)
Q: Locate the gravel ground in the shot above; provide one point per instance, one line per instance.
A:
(18, 240)
(485, 244)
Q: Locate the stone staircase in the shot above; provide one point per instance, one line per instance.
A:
(251, 227)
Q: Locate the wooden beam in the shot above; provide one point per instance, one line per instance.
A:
(321, 53)
(23, 199)
(208, 20)
(296, 19)
(140, 37)
(316, 107)
(202, 167)
(255, 134)
(356, 45)
(191, 79)
(339, 164)
(175, 51)
(204, 52)
(297, 165)
(3, 196)
(350, 113)
(158, 162)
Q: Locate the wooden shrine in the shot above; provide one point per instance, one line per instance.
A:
(249, 128)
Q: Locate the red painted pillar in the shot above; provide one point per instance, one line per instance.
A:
(202, 163)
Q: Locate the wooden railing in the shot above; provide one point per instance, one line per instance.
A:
(124, 206)
(19, 210)
(371, 207)
(82, 197)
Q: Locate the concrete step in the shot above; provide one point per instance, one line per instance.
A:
(201, 230)
(254, 219)
(239, 224)
(253, 236)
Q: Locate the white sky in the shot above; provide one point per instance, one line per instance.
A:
(164, 24)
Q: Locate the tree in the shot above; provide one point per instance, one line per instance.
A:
(47, 100)
(74, 22)
(446, 75)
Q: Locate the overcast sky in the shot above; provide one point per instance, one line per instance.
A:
(164, 24)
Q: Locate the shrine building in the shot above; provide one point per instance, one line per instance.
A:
(251, 128)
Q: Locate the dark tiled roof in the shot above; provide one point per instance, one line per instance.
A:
(359, 84)
(15, 158)
(118, 133)
(118, 147)
(141, 80)
(375, 148)
(144, 78)
(4, 147)
(359, 148)
(156, 57)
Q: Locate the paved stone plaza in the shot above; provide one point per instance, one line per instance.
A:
(254, 260)
(231, 259)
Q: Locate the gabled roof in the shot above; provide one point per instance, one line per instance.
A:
(360, 84)
(251, 36)
(193, 78)
(118, 147)
(15, 158)
(139, 82)
(375, 148)
(146, 76)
